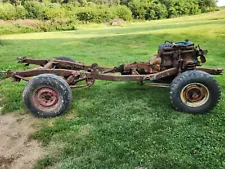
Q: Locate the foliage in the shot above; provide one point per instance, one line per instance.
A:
(178, 8)
(27, 26)
(102, 11)
(148, 9)
(94, 13)
(35, 10)
(21, 12)
(7, 11)
(55, 11)
(122, 12)
(207, 5)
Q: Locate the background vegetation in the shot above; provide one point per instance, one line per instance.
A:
(67, 14)
(120, 124)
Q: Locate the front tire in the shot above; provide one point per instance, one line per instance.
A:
(194, 92)
(47, 95)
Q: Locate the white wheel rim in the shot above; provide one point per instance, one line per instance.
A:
(194, 94)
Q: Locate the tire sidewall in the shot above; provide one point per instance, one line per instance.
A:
(50, 81)
(194, 77)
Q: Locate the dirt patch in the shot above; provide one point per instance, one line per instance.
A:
(16, 150)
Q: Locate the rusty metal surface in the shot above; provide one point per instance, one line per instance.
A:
(35, 72)
(40, 62)
(162, 74)
(49, 65)
(170, 60)
(46, 99)
(61, 64)
(164, 85)
(212, 71)
(194, 94)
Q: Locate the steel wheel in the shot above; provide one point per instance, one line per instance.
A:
(47, 95)
(194, 94)
(46, 99)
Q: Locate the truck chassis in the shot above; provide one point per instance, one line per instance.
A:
(176, 66)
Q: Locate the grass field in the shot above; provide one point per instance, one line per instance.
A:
(120, 124)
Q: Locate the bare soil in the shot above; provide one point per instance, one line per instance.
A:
(17, 151)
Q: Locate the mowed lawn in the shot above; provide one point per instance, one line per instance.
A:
(119, 124)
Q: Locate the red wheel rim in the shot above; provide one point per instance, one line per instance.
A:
(46, 99)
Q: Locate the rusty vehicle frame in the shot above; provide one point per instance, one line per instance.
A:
(171, 61)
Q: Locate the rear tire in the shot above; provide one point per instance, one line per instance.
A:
(194, 92)
(47, 95)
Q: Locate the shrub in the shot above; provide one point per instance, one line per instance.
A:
(148, 10)
(25, 26)
(86, 14)
(178, 8)
(55, 11)
(93, 13)
(63, 24)
(35, 10)
(160, 11)
(207, 5)
(64, 14)
(21, 12)
(123, 12)
(101, 10)
(7, 11)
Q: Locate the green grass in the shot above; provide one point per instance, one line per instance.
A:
(120, 124)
